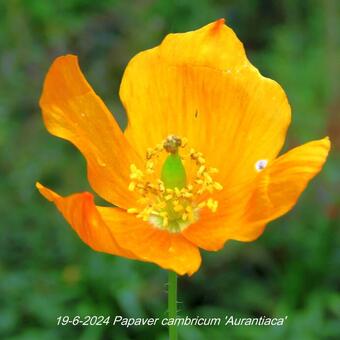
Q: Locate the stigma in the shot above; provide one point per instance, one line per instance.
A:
(168, 199)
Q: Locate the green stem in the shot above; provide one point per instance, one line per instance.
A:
(172, 303)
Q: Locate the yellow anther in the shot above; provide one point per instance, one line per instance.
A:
(161, 186)
(218, 186)
(178, 208)
(187, 194)
(150, 167)
(132, 211)
(165, 218)
(201, 170)
(177, 192)
(133, 176)
(168, 197)
(202, 204)
(165, 222)
(132, 186)
(192, 152)
(201, 160)
(184, 216)
(207, 177)
(149, 153)
(212, 204)
(144, 215)
(162, 205)
(135, 172)
(190, 212)
(159, 148)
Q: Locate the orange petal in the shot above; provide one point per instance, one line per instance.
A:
(113, 231)
(280, 185)
(73, 111)
(200, 85)
(212, 230)
(81, 213)
(168, 250)
(274, 192)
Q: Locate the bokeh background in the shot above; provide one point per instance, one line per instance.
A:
(46, 271)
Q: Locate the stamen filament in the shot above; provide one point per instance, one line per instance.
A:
(169, 202)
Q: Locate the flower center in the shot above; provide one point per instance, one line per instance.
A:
(169, 201)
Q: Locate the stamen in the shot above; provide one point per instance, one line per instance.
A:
(169, 202)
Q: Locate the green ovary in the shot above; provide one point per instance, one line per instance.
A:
(173, 172)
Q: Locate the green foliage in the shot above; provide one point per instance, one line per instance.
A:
(46, 271)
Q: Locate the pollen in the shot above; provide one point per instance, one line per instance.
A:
(168, 199)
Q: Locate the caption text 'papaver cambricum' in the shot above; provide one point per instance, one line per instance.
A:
(118, 320)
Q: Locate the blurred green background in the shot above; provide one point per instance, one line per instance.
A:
(46, 271)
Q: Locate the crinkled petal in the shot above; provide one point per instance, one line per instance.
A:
(200, 85)
(114, 231)
(72, 111)
(279, 186)
(81, 213)
(168, 250)
(212, 230)
(274, 192)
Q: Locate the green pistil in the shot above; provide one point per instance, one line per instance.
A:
(173, 172)
(173, 176)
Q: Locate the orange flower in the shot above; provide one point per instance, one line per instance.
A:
(196, 166)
